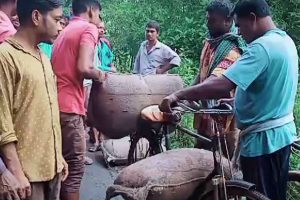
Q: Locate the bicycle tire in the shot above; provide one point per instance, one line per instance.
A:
(154, 148)
(294, 176)
(239, 191)
(293, 188)
(131, 157)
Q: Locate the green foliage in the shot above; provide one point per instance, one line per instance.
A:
(182, 26)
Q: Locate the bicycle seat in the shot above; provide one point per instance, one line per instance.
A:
(153, 114)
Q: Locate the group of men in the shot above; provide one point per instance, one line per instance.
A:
(42, 103)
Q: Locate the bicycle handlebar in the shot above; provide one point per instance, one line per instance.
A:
(222, 109)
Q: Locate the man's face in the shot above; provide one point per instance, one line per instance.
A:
(151, 34)
(101, 29)
(217, 24)
(51, 25)
(247, 28)
(94, 14)
(15, 21)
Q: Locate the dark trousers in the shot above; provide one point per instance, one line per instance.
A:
(268, 172)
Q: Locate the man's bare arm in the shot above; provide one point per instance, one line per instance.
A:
(163, 69)
(13, 164)
(212, 88)
(85, 63)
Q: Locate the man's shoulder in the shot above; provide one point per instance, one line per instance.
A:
(143, 44)
(7, 50)
(163, 46)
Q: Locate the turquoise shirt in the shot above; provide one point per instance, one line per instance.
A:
(105, 55)
(266, 77)
(47, 49)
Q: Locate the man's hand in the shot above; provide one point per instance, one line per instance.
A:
(159, 71)
(13, 164)
(167, 102)
(24, 190)
(8, 186)
(113, 69)
(102, 76)
(65, 171)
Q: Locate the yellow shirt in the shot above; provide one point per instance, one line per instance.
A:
(29, 111)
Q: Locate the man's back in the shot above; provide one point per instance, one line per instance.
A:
(64, 60)
(277, 76)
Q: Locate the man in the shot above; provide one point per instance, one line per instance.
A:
(7, 11)
(105, 54)
(103, 61)
(220, 51)
(153, 56)
(266, 77)
(29, 118)
(8, 183)
(72, 60)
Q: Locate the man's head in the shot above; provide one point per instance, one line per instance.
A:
(89, 8)
(219, 20)
(42, 17)
(101, 29)
(251, 16)
(9, 7)
(152, 31)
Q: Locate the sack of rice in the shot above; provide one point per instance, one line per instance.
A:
(172, 175)
(116, 151)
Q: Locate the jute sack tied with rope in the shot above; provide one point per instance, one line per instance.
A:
(116, 151)
(170, 175)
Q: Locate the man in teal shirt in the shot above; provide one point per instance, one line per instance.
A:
(266, 77)
(104, 51)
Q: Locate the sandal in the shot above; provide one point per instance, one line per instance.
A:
(88, 161)
(95, 148)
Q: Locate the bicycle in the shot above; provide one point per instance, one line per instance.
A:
(216, 186)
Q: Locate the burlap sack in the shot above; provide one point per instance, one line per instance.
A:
(116, 104)
(116, 151)
(172, 175)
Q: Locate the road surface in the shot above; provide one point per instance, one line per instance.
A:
(97, 178)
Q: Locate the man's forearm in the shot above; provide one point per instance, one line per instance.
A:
(213, 88)
(91, 73)
(197, 80)
(11, 159)
(166, 68)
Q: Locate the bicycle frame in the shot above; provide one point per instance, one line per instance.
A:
(217, 177)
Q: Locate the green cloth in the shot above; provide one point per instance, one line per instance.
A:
(227, 43)
(47, 49)
(105, 55)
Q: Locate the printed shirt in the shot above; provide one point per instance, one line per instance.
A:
(29, 111)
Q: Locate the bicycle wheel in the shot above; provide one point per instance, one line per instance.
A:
(238, 192)
(293, 191)
(154, 148)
